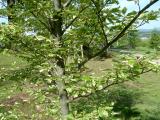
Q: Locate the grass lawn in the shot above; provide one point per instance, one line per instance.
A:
(7, 64)
(150, 88)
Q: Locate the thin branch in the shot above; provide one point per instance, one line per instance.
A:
(67, 3)
(142, 23)
(89, 94)
(45, 25)
(92, 38)
(139, 7)
(100, 21)
(57, 5)
(74, 19)
(103, 7)
(121, 34)
(106, 86)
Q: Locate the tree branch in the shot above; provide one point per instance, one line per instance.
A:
(100, 21)
(121, 33)
(139, 7)
(106, 86)
(74, 19)
(43, 23)
(92, 37)
(67, 3)
(57, 5)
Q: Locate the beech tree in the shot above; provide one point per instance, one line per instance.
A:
(52, 34)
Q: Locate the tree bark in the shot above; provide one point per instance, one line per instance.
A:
(10, 4)
(59, 68)
(58, 71)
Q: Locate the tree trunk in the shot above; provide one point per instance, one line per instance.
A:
(59, 69)
(10, 4)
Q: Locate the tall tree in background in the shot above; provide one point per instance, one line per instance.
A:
(132, 38)
(155, 40)
(59, 28)
(11, 15)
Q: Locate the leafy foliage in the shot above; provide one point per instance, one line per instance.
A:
(50, 36)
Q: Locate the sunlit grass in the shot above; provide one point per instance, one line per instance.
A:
(149, 87)
(9, 62)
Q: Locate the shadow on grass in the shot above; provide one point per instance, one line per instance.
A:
(123, 98)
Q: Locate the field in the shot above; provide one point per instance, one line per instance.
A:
(147, 85)
(7, 64)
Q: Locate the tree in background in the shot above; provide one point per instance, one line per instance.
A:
(10, 4)
(49, 35)
(129, 40)
(155, 40)
(132, 38)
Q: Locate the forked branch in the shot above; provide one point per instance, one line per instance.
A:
(121, 34)
(67, 3)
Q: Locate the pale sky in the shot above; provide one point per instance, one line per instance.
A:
(131, 6)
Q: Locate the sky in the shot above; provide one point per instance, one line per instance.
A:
(131, 6)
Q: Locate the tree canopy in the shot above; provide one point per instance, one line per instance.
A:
(52, 35)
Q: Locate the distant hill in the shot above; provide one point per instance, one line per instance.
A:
(149, 30)
(146, 33)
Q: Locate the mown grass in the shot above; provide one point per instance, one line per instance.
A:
(7, 64)
(149, 85)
